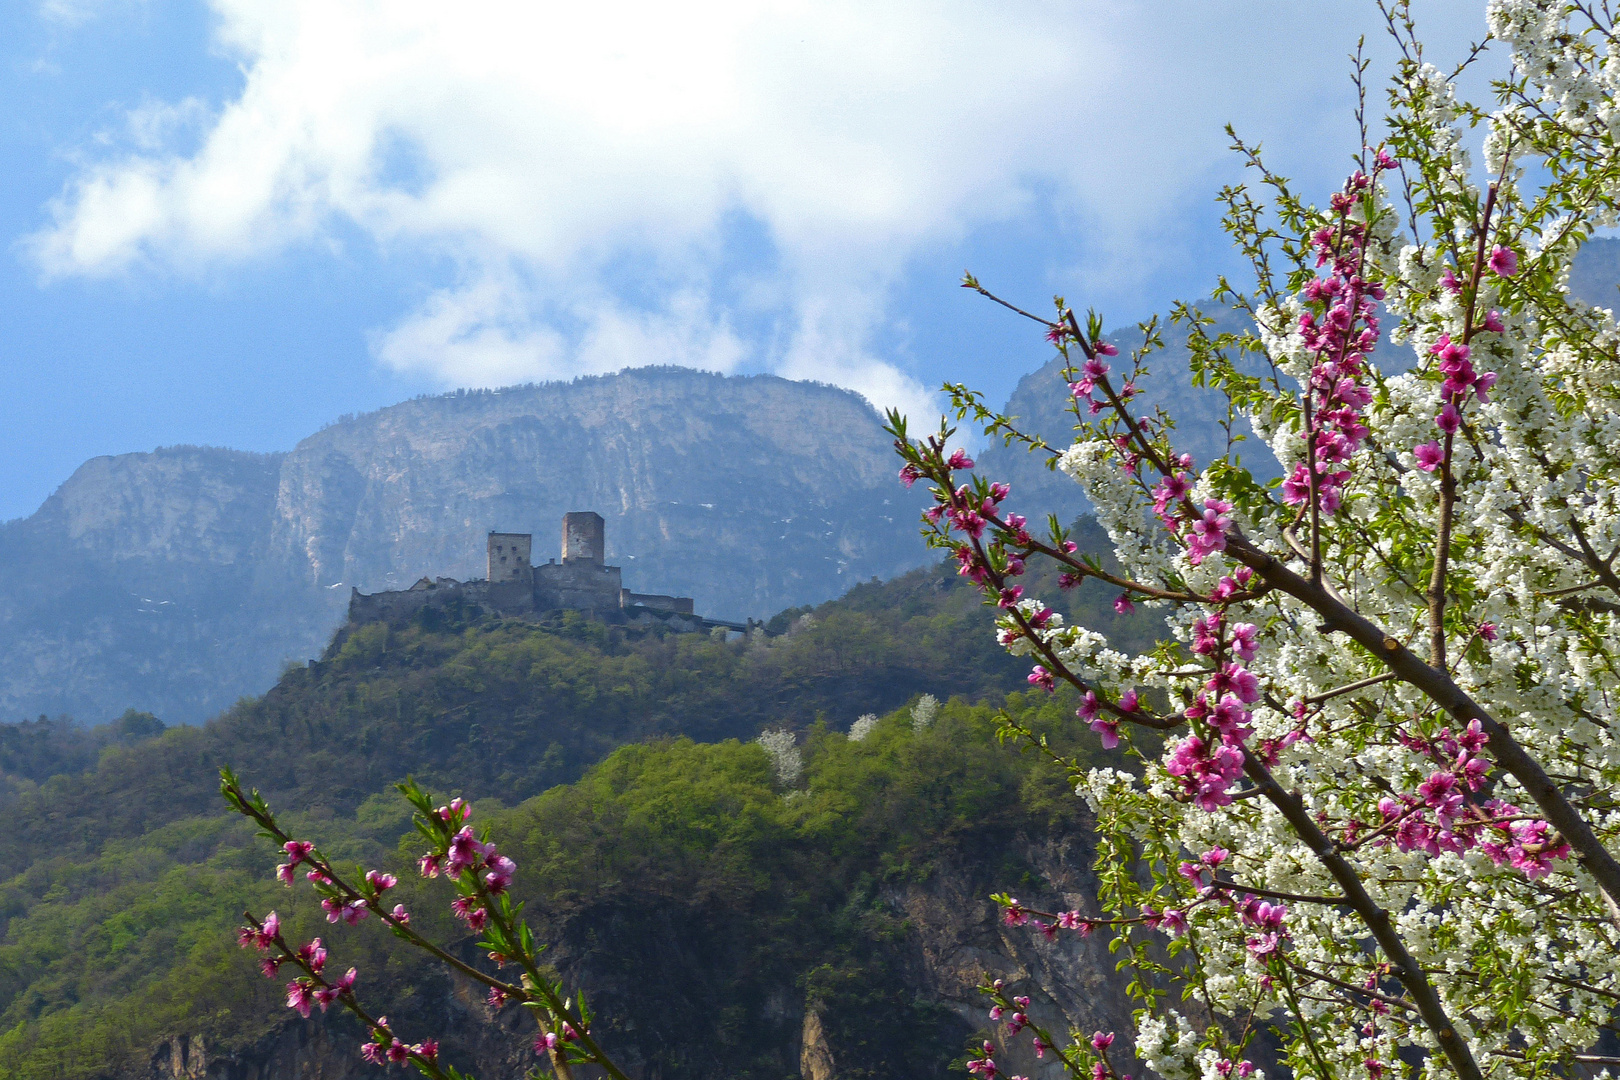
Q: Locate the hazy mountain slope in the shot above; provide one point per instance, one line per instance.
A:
(179, 580)
(143, 580)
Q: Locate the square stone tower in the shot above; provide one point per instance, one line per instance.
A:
(509, 558)
(583, 537)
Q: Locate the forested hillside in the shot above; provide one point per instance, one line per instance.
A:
(126, 877)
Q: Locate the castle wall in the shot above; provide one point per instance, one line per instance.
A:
(509, 557)
(579, 584)
(657, 601)
(584, 536)
(389, 606)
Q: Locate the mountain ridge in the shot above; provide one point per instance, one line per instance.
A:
(180, 579)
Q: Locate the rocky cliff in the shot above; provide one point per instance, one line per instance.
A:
(179, 580)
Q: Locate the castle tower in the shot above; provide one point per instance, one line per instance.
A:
(509, 557)
(583, 537)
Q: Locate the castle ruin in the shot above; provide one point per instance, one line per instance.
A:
(581, 581)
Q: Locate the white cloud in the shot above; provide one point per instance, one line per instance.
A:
(583, 164)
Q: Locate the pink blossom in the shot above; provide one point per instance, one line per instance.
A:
(300, 996)
(297, 850)
(1236, 679)
(1128, 701)
(1041, 678)
(429, 865)
(1493, 321)
(546, 1042)
(373, 1053)
(380, 881)
(1449, 419)
(398, 1053)
(1243, 640)
(1102, 348)
(1099, 1041)
(465, 852)
(1504, 262)
(1107, 731)
(910, 474)
(313, 954)
(1264, 945)
(1449, 281)
(959, 460)
(501, 872)
(1428, 456)
(1170, 489)
(1123, 604)
(1014, 915)
(1208, 533)
(400, 915)
(1207, 635)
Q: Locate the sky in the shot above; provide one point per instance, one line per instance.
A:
(231, 222)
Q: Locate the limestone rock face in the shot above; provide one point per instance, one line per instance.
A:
(178, 580)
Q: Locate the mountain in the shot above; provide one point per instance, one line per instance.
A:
(179, 580)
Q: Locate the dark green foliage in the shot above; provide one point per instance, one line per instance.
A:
(37, 750)
(671, 857)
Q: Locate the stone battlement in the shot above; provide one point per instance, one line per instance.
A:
(581, 581)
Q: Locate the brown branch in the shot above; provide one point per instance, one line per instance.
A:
(1317, 699)
(1378, 922)
(1444, 692)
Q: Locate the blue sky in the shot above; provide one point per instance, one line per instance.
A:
(231, 222)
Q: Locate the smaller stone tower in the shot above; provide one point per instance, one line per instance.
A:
(583, 537)
(509, 558)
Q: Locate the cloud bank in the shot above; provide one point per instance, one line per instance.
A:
(727, 185)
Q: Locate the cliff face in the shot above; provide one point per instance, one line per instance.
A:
(677, 996)
(179, 580)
